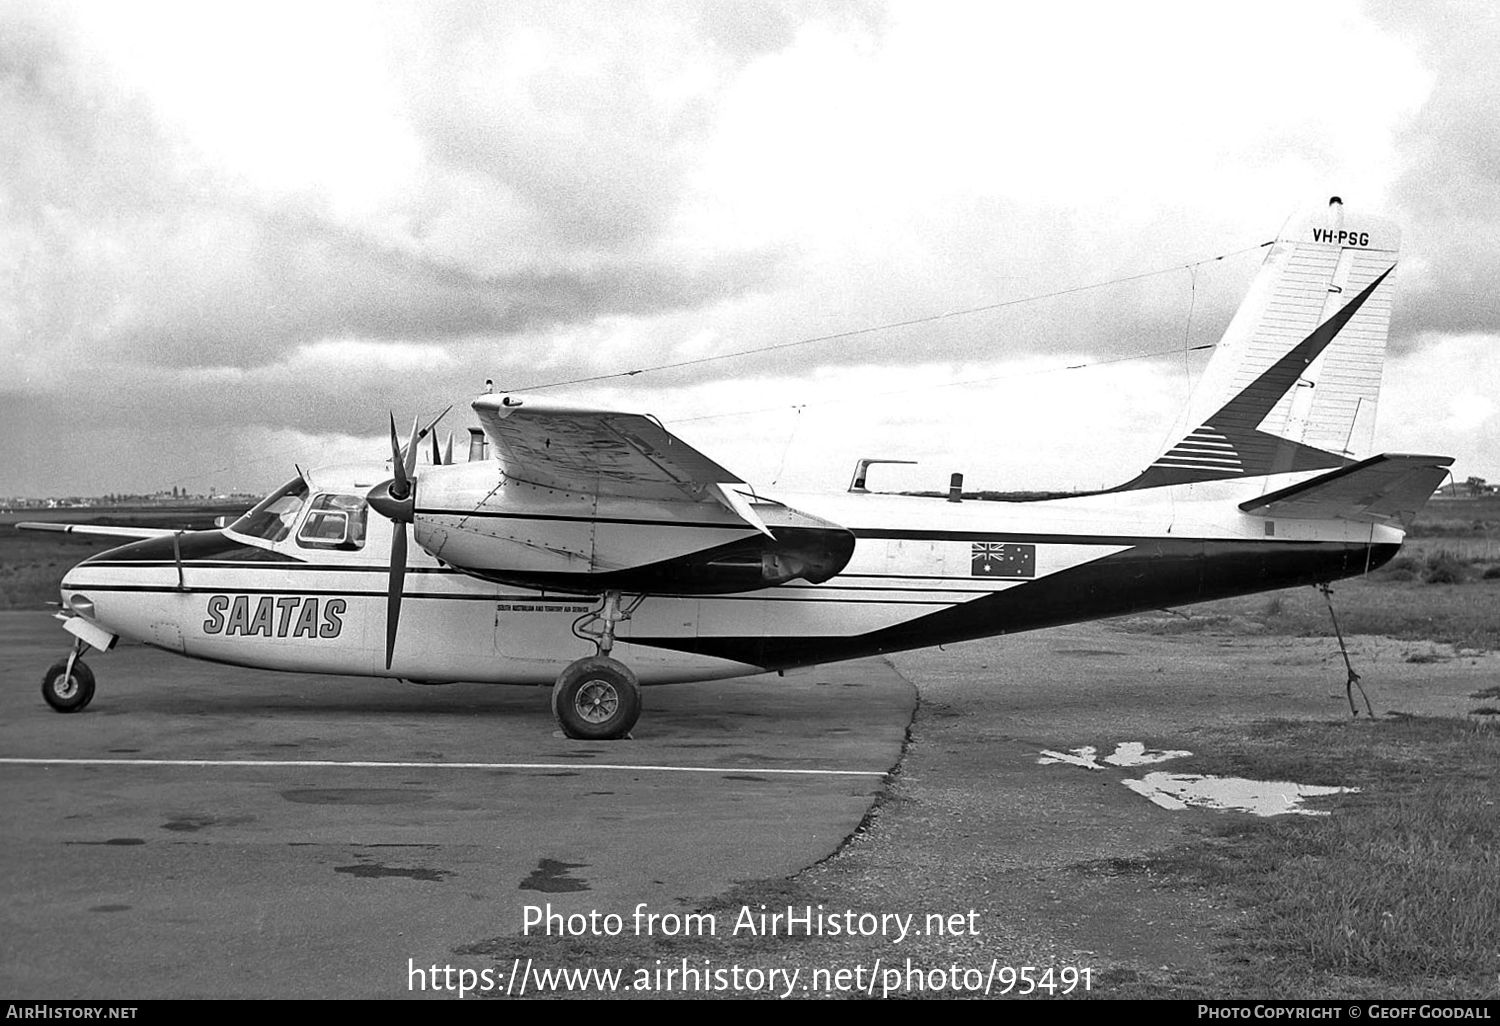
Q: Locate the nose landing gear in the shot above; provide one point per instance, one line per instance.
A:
(68, 685)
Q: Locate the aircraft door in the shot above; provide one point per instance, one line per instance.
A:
(910, 557)
(540, 629)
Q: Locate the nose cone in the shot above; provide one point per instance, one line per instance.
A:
(389, 506)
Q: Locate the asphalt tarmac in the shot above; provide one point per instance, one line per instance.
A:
(297, 876)
(292, 877)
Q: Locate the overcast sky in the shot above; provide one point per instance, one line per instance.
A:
(234, 236)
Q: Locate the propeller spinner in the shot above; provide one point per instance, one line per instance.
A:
(396, 501)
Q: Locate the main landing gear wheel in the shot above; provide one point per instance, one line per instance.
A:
(68, 692)
(596, 699)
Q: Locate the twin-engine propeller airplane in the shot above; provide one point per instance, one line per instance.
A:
(595, 552)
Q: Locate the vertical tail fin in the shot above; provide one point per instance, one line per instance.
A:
(1293, 384)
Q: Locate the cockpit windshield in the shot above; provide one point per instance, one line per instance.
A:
(273, 517)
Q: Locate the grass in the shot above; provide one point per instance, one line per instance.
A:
(1457, 517)
(1396, 894)
(1444, 568)
(1467, 549)
(32, 563)
(1410, 599)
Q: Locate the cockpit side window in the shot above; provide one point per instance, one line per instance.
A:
(334, 522)
(273, 517)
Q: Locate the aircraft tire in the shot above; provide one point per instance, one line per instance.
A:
(68, 694)
(596, 699)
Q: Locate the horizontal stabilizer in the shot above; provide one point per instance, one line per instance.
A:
(1387, 489)
(113, 532)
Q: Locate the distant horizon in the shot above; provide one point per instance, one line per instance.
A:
(124, 498)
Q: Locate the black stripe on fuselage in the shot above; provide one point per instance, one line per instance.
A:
(1151, 573)
(343, 568)
(771, 595)
(873, 533)
(485, 514)
(212, 548)
(267, 564)
(1155, 575)
(161, 589)
(1039, 538)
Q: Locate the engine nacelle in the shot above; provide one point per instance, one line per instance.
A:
(475, 519)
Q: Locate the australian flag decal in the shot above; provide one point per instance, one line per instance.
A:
(1003, 560)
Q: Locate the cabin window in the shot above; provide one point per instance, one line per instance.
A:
(334, 522)
(273, 517)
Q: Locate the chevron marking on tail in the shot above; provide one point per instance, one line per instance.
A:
(1230, 443)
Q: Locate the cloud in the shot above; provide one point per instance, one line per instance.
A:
(1440, 398)
(134, 246)
(282, 223)
(254, 285)
(1448, 194)
(1005, 425)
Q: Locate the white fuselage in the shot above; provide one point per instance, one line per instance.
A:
(282, 606)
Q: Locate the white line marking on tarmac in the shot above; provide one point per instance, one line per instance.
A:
(314, 764)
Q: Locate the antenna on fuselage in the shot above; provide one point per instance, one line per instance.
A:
(479, 446)
(862, 469)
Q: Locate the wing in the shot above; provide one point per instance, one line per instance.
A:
(116, 532)
(588, 500)
(1387, 489)
(594, 451)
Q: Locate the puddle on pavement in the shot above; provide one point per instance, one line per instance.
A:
(1194, 790)
(1235, 794)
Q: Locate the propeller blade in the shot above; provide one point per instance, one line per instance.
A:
(393, 597)
(434, 421)
(416, 434)
(437, 457)
(400, 485)
(411, 447)
(431, 424)
(448, 449)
